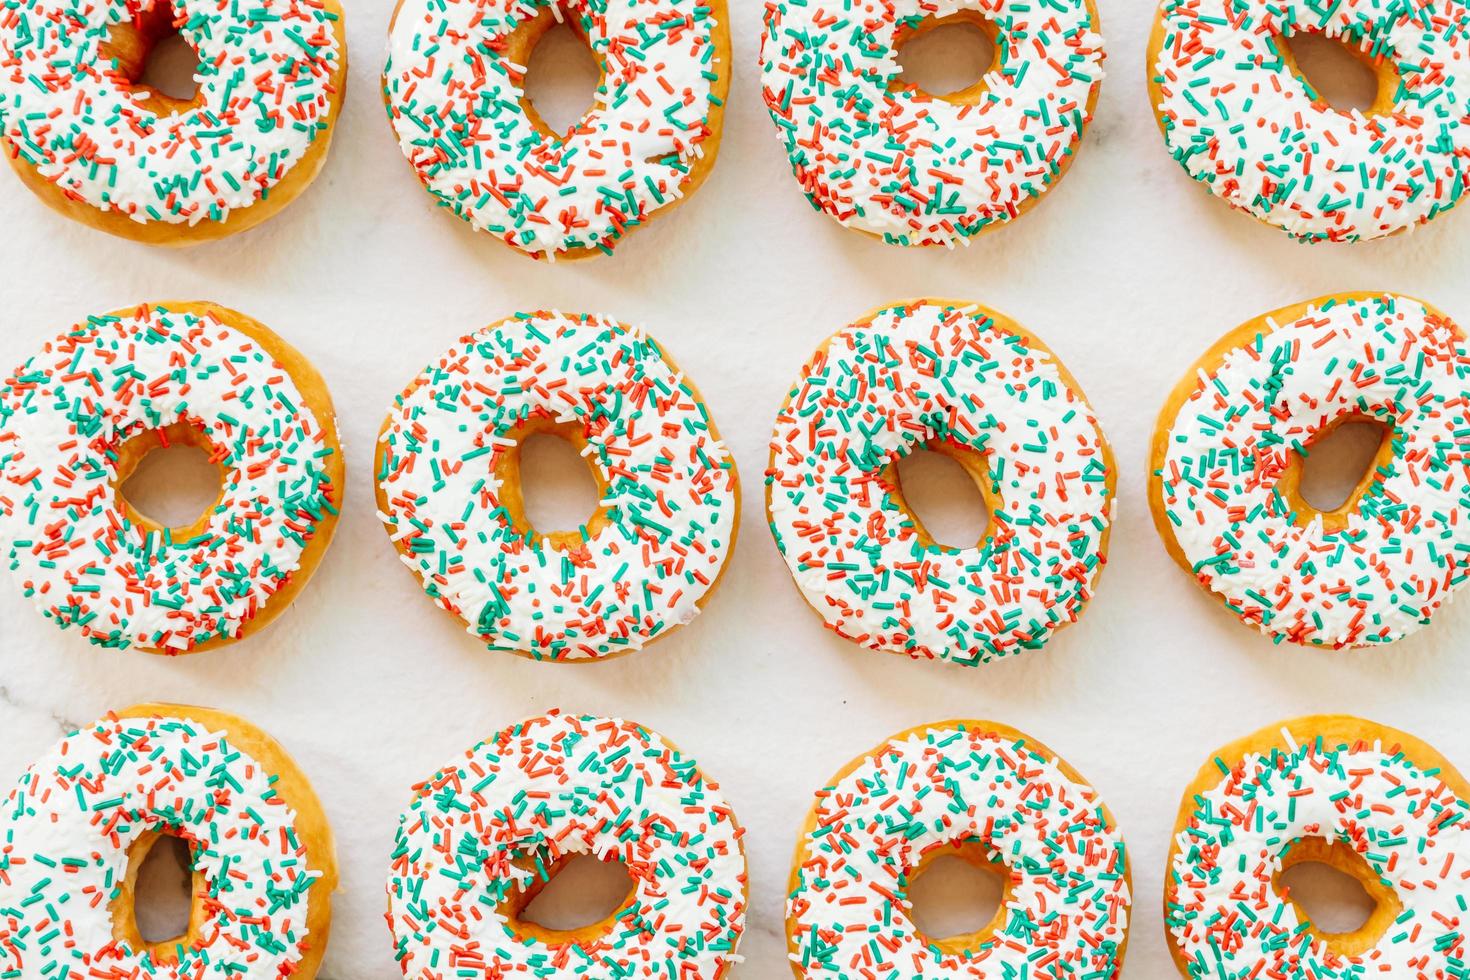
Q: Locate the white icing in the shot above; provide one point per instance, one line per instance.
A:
(63, 531)
(266, 90)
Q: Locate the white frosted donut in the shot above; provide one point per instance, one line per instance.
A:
(98, 144)
(76, 418)
(1241, 120)
(884, 157)
(449, 487)
(984, 793)
(453, 88)
(81, 820)
(966, 381)
(497, 823)
(1375, 803)
(1227, 457)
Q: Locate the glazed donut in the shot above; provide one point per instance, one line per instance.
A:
(99, 145)
(453, 89)
(881, 156)
(486, 833)
(985, 793)
(1375, 803)
(80, 822)
(1225, 470)
(1238, 115)
(449, 492)
(75, 421)
(962, 380)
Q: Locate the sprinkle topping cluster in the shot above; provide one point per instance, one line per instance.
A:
(67, 828)
(669, 497)
(1407, 546)
(1066, 914)
(65, 535)
(487, 825)
(1222, 908)
(880, 389)
(915, 169)
(266, 92)
(1241, 122)
(455, 101)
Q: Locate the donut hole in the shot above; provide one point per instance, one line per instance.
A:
(1336, 893)
(155, 60)
(1335, 70)
(548, 487)
(557, 489)
(169, 478)
(172, 68)
(579, 893)
(162, 872)
(943, 488)
(947, 57)
(1332, 900)
(1331, 472)
(957, 894)
(562, 76)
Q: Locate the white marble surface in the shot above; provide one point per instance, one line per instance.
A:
(1128, 271)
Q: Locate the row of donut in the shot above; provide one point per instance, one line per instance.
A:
(95, 141)
(956, 378)
(486, 833)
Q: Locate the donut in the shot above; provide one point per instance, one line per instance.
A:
(80, 821)
(78, 418)
(1227, 456)
(1375, 803)
(453, 87)
(449, 490)
(984, 793)
(882, 156)
(962, 380)
(1240, 118)
(100, 145)
(487, 832)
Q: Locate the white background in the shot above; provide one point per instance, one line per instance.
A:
(1128, 271)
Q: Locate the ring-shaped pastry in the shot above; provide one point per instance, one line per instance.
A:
(81, 820)
(1375, 803)
(94, 141)
(78, 418)
(1241, 119)
(984, 793)
(1226, 467)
